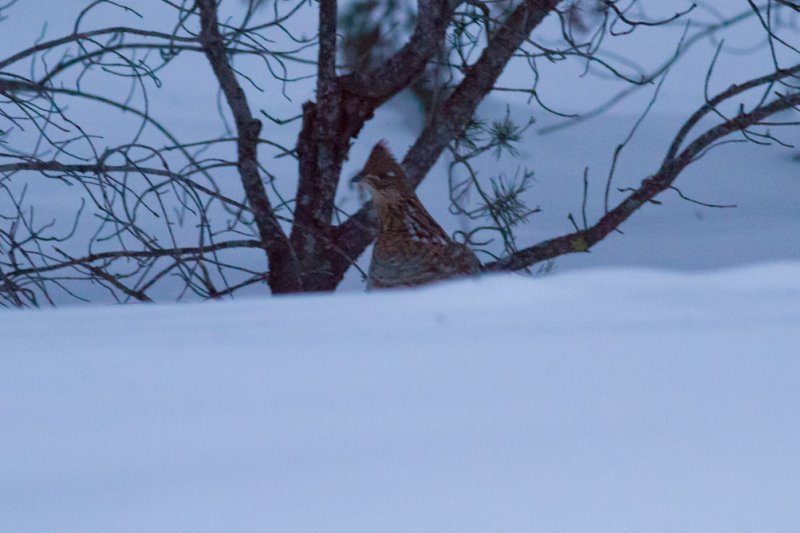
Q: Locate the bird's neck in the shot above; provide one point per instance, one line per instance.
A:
(391, 215)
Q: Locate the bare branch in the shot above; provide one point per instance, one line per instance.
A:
(284, 274)
(456, 112)
(194, 251)
(672, 166)
(387, 79)
(88, 35)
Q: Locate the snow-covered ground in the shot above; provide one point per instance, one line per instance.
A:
(611, 400)
(762, 181)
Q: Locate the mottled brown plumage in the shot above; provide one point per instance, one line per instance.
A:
(411, 248)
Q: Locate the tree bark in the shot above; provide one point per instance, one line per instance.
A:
(284, 274)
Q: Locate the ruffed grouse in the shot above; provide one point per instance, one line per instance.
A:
(411, 248)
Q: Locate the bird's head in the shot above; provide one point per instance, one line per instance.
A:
(383, 176)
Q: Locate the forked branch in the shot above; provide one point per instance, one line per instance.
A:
(673, 164)
(284, 275)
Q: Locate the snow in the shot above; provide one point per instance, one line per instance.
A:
(607, 400)
(762, 181)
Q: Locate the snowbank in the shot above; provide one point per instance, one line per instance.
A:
(614, 400)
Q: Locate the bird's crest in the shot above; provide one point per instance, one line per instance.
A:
(381, 162)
